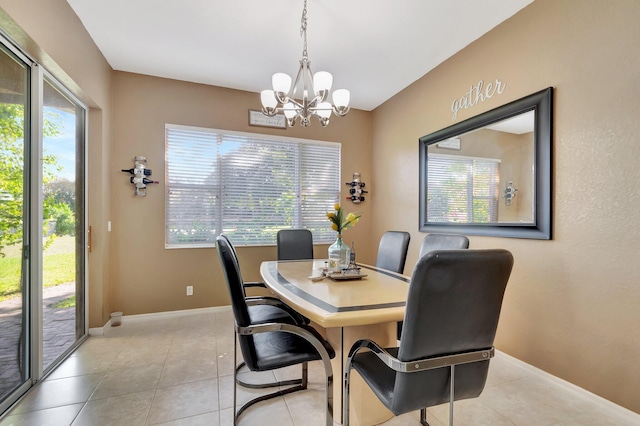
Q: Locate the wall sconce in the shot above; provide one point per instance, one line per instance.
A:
(356, 190)
(509, 193)
(139, 172)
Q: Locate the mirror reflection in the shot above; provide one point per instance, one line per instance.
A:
(486, 175)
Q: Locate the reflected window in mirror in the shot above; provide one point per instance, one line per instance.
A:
(491, 174)
(462, 188)
(468, 183)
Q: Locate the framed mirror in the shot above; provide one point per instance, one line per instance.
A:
(491, 174)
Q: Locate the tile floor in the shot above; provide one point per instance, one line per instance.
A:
(178, 371)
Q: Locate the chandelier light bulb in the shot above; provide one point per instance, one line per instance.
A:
(289, 110)
(341, 99)
(268, 99)
(281, 83)
(324, 109)
(322, 81)
(269, 103)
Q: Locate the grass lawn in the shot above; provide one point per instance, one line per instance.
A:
(59, 268)
(69, 302)
(9, 277)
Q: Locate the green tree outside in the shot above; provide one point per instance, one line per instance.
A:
(57, 202)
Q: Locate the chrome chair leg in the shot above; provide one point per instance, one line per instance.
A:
(301, 381)
(300, 384)
(423, 417)
(451, 394)
(329, 387)
(423, 412)
(305, 375)
(266, 397)
(345, 396)
(235, 377)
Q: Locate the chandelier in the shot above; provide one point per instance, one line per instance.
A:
(314, 90)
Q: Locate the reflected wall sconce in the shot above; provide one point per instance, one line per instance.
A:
(509, 193)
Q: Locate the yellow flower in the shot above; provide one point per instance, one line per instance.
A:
(341, 221)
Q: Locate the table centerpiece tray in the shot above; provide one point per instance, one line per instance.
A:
(339, 276)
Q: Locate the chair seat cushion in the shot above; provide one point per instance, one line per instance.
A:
(262, 314)
(280, 349)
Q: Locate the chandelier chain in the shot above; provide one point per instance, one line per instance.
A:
(303, 29)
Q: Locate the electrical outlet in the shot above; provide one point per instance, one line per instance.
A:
(189, 290)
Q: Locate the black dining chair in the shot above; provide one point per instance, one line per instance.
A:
(392, 251)
(439, 242)
(272, 345)
(265, 308)
(452, 312)
(294, 244)
(443, 242)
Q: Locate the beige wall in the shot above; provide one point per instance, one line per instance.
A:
(146, 276)
(51, 33)
(572, 304)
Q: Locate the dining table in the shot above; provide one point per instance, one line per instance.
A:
(344, 308)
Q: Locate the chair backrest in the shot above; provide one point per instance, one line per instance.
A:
(392, 251)
(233, 249)
(227, 256)
(443, 242)
(453, 306)
(235, 258)
(295, 244)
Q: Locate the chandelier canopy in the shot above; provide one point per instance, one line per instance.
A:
(314, 91)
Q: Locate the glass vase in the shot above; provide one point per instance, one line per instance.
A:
(339, 255)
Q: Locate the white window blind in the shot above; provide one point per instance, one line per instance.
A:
(246, 185)
(462, 189)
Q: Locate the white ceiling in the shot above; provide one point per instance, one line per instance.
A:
(520, 124)
(375, 48)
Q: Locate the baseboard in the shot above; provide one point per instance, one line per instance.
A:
(99, 331)
(173, 314)
(604, 404)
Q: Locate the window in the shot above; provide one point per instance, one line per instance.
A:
(463, 189)
(247, 186)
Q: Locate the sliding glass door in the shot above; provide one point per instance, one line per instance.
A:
(14, 230)
(63, 223)
(42, 223)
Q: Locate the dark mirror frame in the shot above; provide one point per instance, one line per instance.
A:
(542, 103)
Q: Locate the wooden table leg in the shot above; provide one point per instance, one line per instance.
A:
(366, 409)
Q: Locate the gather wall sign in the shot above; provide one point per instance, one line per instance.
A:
(477, 93)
